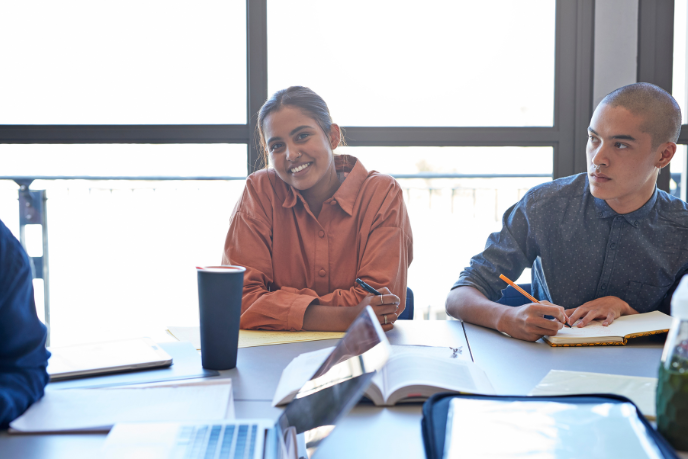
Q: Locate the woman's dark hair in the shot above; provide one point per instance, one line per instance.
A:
(295, 96)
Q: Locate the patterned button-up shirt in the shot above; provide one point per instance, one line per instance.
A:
(580, 249)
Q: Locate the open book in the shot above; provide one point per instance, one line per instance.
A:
(412, 374)
(618, 333)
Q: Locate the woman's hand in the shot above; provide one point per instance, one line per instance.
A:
(607, 308)
(385, 307)
(328, 318)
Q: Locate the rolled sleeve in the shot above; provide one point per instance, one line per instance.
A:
(507, 252)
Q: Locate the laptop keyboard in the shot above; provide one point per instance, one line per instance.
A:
(221, 441)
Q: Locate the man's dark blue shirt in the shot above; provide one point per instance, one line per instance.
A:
(580, 249)
(23, 357)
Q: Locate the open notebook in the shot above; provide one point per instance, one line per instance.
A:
(618, 333)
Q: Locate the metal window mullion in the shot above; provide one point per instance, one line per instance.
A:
(257, 73)
(656, 53)
(125, 133)
(359, 136)
(575, 25)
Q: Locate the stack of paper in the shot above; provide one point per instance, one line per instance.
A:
(77, 410)
(252, 338)
(640, 390)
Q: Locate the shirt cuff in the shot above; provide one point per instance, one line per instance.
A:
(297, 310)
(464, 282)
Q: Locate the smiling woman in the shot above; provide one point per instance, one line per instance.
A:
(310, 225)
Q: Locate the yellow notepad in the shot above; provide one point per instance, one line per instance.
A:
(252, 338)
(616, 334)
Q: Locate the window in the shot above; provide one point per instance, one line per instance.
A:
(117, 94)
(436, 63)
(679, 165)
(123, 62)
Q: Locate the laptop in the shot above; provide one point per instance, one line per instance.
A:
(93, 359)
(305, 423)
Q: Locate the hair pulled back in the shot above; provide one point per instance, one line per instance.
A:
(295, 96)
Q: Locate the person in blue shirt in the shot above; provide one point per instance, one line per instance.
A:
(23, 356)
(601, 244)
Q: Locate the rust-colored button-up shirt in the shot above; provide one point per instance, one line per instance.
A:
(292, 257)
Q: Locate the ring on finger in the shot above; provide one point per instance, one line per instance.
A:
(381, 302)
(385, 319)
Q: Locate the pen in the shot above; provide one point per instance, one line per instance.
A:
(367, 287)
(523, 292)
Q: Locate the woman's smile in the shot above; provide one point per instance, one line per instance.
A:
(301, 169)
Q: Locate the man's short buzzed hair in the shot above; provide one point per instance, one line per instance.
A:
(660, 110)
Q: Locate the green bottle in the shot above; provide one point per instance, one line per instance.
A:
(672, 384)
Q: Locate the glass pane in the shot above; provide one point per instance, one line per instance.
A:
(678, 173)
(123, 62)
(431, 63)
(679, 81)
(112, 160)
(123, 254)
(451, 218)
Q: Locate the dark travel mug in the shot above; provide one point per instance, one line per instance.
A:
(219, 303)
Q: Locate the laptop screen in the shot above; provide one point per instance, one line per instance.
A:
(338, 384)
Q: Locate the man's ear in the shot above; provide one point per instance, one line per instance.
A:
(667, 151)
(335, 136)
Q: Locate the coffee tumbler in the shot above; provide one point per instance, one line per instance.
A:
(219, 301)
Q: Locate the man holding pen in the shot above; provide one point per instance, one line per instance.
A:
(601, 244)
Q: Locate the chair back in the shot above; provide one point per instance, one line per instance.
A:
(512, 297)
(408, 312)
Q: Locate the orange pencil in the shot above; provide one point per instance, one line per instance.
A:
(523, 292)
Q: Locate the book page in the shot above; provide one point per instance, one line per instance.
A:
(623, 326)
(422, 372)
(297, 373)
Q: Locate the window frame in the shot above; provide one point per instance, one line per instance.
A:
(572, 107)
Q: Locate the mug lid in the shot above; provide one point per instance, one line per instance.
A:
(221, 268)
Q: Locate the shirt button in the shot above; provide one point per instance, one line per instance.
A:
(604, 286)
(333, 203)
(321, 233)
(612, 245)
(322, 273)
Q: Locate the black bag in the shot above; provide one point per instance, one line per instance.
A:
(436, 409)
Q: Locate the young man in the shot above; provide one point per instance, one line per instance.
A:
(601, 244)
(23, 357)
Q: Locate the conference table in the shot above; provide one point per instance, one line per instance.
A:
(514, 367)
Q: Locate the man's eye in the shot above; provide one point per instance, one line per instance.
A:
(620, 145)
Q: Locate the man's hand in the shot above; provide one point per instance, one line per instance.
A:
(607, 308)
(528, 323)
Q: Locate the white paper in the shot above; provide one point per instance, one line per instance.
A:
(640, 390)
(99, 409)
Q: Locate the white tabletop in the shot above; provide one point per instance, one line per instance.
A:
(513, 366)
(367, 431)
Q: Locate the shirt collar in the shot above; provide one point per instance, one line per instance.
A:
(603, 209)
(348, 190)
